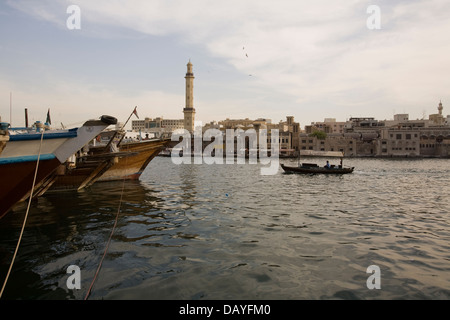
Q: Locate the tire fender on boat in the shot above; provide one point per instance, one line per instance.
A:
(108, 119)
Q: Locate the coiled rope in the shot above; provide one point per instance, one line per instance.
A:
(26, 216)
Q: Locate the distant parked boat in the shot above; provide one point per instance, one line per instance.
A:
(19, 157)
(312, 168)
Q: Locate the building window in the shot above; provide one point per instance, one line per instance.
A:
(399, 136)
(408, 136)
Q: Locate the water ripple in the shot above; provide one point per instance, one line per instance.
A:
(226, 232)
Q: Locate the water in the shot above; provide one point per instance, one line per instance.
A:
(227, 232)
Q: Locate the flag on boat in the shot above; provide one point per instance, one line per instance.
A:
(135, 112)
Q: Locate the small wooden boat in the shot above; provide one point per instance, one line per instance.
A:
(306, 168)
(313, 168)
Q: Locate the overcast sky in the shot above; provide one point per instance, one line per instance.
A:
(252, 59)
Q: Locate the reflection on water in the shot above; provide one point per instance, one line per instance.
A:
(226, 232)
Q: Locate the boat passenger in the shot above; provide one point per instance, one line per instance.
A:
(327, 165)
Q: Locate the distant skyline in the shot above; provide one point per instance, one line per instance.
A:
(251, 59)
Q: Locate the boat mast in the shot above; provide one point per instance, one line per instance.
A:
(10, 109)
(26, 118)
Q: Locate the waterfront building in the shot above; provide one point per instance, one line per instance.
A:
(400, 137)
(435, 141)
(289, 136)
(157, 126)
(138, 125)
(345, 143)
(363, 124)
(329, 125)
(399, 142)
(244, 124)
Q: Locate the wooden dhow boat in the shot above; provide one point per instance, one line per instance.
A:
(131, 167)
(313, 168)
(41, 149)
(115, 160)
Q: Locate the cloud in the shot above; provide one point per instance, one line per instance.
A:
(72, 103)
(312, 52)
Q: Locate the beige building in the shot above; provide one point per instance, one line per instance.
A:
(400, 137)
(244, 124)
(329, 125)
(333, 142)
(435, 141)
(399, 142)
(157, 125)
(289, 136)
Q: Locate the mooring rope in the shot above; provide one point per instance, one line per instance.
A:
(26, 216)
(109, 241)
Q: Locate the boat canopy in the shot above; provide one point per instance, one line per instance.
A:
(312, 153)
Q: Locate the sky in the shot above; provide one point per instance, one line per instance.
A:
(251, 59)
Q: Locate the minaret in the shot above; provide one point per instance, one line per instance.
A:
(189, 111)
(440, 108)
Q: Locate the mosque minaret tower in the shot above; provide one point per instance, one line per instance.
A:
(189, 111)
